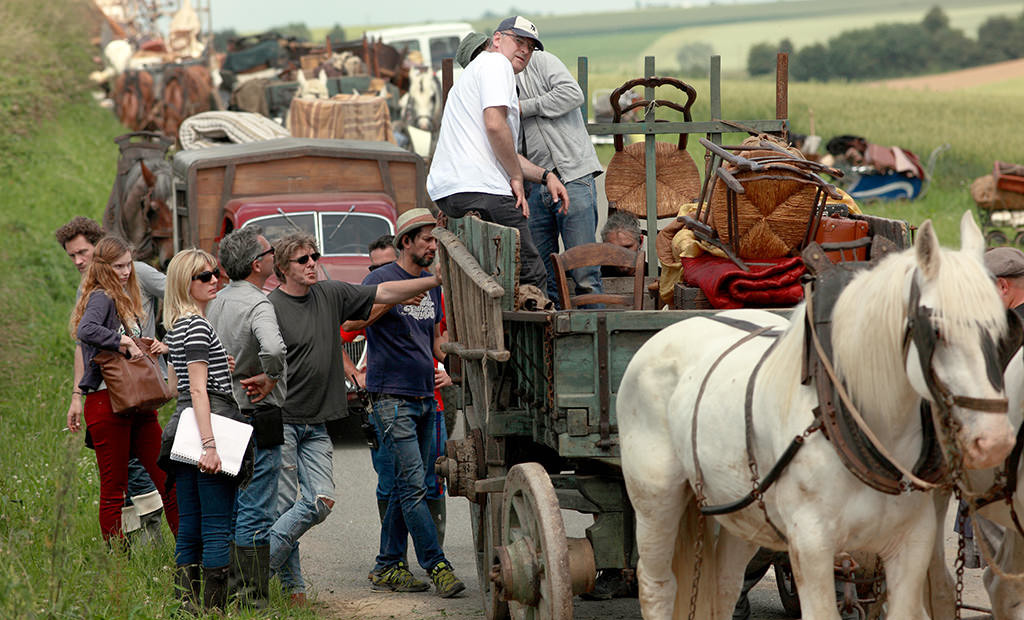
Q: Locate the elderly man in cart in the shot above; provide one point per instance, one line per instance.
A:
(476, 166)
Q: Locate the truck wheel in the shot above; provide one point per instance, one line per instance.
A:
(486, 519)
(995, 238)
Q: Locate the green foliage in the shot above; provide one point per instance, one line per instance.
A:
(336, 34)
(693, 57)
(296, 30)
(1001, 38)
(761, 59)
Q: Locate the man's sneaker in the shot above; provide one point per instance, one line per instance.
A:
(396, 578)
(445, 581)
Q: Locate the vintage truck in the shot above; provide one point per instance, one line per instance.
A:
(346, 193)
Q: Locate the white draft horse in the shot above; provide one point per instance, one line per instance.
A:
(816, 504)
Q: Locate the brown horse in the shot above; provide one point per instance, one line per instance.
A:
(135, 100)
(188, 90)
(138, 209)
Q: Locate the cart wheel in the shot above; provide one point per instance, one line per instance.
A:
(532, 568)
(486, 518)
(787, 589)
(1018, 240)
(995, 238)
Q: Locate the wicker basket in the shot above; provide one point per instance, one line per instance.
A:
(677, 178)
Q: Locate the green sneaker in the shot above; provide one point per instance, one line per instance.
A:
(445, 581)
(396, 578)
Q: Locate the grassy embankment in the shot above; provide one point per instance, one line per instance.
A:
(57, 160)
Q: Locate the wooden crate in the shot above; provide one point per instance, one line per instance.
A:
(1008, 182)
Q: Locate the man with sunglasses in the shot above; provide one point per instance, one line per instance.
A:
(475, 165)
(310, 314)
(246, 324)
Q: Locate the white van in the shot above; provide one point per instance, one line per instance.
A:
(434, 41)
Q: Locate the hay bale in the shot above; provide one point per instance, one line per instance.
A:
(677, 178)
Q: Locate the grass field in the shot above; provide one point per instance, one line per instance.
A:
(57, 159)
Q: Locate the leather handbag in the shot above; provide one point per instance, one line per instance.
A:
(134, 384)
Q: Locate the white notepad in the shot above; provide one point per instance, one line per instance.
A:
(231, 436)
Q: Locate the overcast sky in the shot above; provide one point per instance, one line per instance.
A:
(250, 15)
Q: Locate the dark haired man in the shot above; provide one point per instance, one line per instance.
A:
(246, 324)
(402, 345)
(143, 506)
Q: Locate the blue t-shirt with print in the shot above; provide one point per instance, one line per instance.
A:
(400, 345)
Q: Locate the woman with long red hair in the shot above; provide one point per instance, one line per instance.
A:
(106, 317)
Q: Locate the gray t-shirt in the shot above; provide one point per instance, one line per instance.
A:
(310, 326)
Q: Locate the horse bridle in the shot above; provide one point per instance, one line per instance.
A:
(925, 335)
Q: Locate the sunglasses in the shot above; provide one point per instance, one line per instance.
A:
(372, 267)
(206, 276)
(521, 41)
(302, 260)
(269, 250)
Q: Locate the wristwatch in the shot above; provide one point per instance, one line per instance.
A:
(544, 177)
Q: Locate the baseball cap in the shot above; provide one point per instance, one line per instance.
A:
(469, 46)
(411, 220)
(1005, 262)
(522, 27)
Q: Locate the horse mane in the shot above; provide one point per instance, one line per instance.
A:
(869, 320)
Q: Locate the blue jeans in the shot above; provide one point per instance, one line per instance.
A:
(576, 227)
(305, 496)
(384, 464)
(408, 436)
(256, 504)
(139, 482)
(205, 503)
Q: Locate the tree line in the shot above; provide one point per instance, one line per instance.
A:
(896, 50)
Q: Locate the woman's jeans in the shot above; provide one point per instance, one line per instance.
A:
(117, 438)
(205, 506)
(408, 432)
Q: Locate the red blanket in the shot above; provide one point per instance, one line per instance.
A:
(727, 286)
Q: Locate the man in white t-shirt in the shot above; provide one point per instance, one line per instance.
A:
(476, 166)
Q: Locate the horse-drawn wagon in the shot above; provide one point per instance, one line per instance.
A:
(543, 402)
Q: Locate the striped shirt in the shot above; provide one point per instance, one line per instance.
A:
(193, 340)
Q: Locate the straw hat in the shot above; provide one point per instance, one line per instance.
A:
(411, 220)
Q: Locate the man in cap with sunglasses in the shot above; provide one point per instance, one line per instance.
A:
(310, 314)
(476, 166)
(556, 139)
(403, 340)
(246, 324)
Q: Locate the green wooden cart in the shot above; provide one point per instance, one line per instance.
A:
(539, 391)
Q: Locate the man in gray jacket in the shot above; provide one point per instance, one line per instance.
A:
(556, 139)
(246, 323)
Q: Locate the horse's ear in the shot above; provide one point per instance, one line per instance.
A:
(926, 246)
(148, 175)
(971, 239)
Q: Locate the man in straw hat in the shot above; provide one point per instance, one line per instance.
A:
(476, 166)
(402, 342)
(556, 139)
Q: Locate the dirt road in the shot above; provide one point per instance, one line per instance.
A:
(957, 80)
(337, 555)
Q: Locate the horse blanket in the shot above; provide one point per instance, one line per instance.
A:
(212, 128)
(352, 117)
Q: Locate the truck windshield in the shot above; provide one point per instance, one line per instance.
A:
(441, 48)
(355, 234)
(277, 226)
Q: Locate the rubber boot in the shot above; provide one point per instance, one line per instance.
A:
(254, 568)
(215, 588)
(186, 587)
(131, 524)
(151, 509)
(439, 513)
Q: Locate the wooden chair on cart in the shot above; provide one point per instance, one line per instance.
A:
(599, 254)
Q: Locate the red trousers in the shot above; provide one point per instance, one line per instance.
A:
(116, 439)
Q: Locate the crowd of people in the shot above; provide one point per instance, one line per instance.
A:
(513, 147)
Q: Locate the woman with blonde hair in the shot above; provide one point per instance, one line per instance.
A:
(106, 317)
(206, 496)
